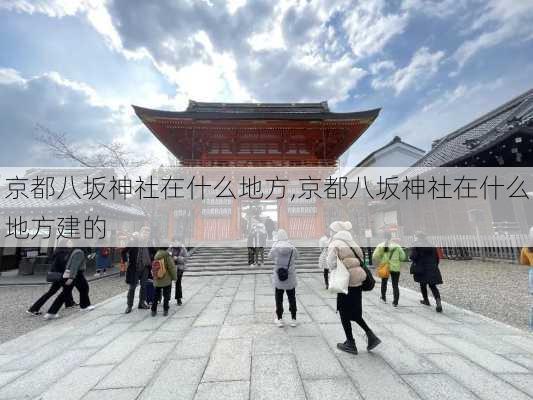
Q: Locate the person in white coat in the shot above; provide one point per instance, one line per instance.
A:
(284, 255)
(343, 247)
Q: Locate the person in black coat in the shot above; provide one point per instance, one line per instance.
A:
(139, 260)
(425, 269)
(269, 226)
(59, 261)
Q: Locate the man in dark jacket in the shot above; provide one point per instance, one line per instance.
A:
(139, 258)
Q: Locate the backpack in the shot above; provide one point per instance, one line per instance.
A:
(369, 283)
(159, 269)
(283, 273)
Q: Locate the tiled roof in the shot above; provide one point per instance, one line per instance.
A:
(481, 132)
(253, 111)
(395, 140)
(197, 106)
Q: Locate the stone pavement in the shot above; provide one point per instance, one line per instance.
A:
(222, 344)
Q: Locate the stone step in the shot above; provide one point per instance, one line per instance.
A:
(193, 260)
(227, 260)
(241, 252)
(243, 266)
(244, 272)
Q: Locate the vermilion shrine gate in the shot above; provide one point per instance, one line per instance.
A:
(257, 135)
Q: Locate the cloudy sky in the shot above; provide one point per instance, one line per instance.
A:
(75, 67)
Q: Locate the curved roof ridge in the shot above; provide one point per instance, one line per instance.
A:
(514, 102)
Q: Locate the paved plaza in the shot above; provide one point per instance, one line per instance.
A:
(222, 344)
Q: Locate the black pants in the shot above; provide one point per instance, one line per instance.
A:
(81, 284)
(251, 255)
(259, 252)
(140, 277)
(350, 307)
(434, 290)
(53, 289)
(395, 278)
(291, 294)
(166, 297)
(326, 277)
(179, 292)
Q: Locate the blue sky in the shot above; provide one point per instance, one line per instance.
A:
(77, 66)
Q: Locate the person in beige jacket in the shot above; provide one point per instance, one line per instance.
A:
(343, 247)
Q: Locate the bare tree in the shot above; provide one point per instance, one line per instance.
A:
(99, 155)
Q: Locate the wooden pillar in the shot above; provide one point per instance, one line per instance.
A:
(198, 225)
(319, 220)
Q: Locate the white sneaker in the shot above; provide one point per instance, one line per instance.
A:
(89, 308)
(294, 323)
(49, 316)
(97, 275)
(278, 322)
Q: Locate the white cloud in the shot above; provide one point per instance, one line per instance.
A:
(211, 49)
(369, 28)
(458, 106)
(52, 8)
(502, 20)
(384, 65)
(423, 65)
(438, 8)
(64, 106)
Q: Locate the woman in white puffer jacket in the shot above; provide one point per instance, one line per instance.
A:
(343, 247)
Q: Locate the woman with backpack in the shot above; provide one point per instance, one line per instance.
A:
(388, 257)
(342, 248)
(163, 272)
(74, 276)
(59, 264)
(425, 269)
(284, 255)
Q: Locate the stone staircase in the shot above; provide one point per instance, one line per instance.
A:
(234, 261)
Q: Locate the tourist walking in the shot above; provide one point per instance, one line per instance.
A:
(284, 255)
(179, 255)
(260, 238)
(138, 257)
(388, 257)
(103, 260)
(59, 264)
(323, 244)
(74, 276)
(350, 307)
(269, 226)
(163, 273)
(425, 269)
(250, 244)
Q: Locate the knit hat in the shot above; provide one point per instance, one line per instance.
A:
(338, 226)
(282, 235)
